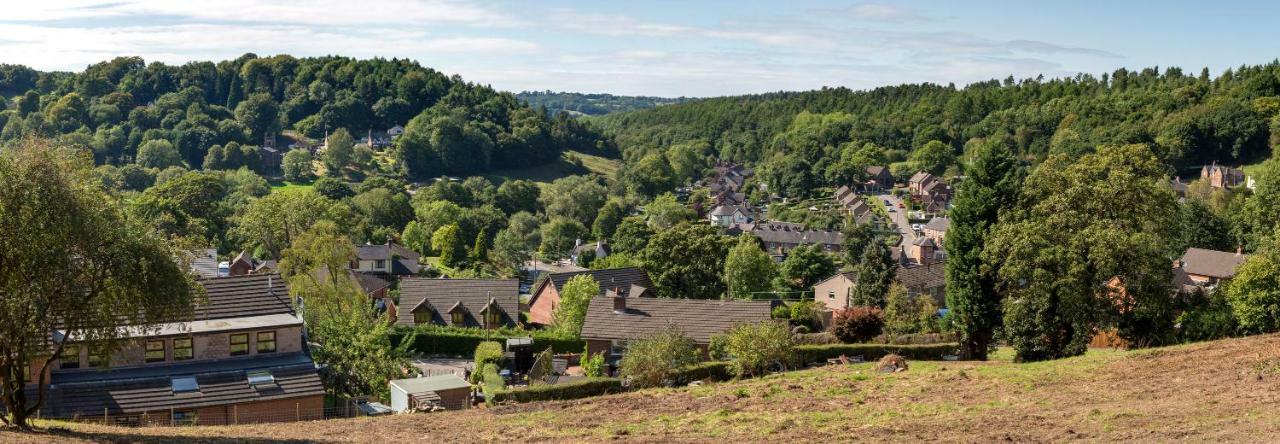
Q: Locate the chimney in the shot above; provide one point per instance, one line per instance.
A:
(619, 305)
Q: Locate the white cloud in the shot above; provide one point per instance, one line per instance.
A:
(884, 13)
(311, 12)
(612, 24)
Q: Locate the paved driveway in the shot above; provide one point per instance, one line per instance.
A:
(898, 216)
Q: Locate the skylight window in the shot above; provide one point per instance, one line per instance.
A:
(185, 385)
(257, 378)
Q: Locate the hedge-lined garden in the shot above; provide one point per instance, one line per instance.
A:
(453, 341)
(551, 392)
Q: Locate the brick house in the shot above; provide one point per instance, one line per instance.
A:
(928, 280)
(239, 360)
(879, 178)
(1220, 176)
(936, 229)
(388, 260)
(485, 303)
(612, 321)
(627, 282)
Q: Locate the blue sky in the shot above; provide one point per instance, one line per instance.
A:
(667, 48)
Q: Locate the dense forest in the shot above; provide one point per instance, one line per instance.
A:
(1190, 119)
(117, 107)
(592, 104)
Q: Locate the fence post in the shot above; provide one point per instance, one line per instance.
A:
(170, 416)
(105, 416)
(235, 414)
(297, 409)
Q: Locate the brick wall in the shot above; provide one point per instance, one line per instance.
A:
(544, 305)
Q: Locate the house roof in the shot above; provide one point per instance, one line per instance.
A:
(921, 177)
(451, 294)
(925, 241)
(447, 381)
(793, 233)
(1216, 264)
(385, 252)
(727, 210)
(593, 247)
(150, 388)
(697, 319)
(877, 170)
(919, 277)
(204, 262)
(624, 279)
(938, 224)
(242, 296)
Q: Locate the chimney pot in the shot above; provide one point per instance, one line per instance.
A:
(619, 304)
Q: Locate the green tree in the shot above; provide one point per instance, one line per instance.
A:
(514, 245)
(559, 236)
(687, 261)
(1200, 227)
(260, 114)
(479, 249)
(273, 221)
(748, 270)
(651, 360)
(755, 348)
(575, 197)
(1254, 292)
(991, 186)
(875, 272)
(906, 314)
(446, 243)
(158, 153)
(1087, 249)
(416, 238)
(856, 239)
(353, 343)
(338, 153)
(665, 211)
(574, 299)
(608, 219)
(514, 196)
(64, 242)
(631, 236)
(334, 189)
(296, 166)
(805, 266)
(933, 157)
(384, 208)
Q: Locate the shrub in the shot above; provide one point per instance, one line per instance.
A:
(816, 339)
(650, 361)
(781, 312)
(592, 365)
(703, 371)
(1209, 317)
(753, 348)
(493, 384)
(551, 392)
(807, 314)
(905, 314)
(857, 324)
(487, 353)
(819, 353)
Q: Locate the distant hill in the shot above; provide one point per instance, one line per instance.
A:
(593, 104)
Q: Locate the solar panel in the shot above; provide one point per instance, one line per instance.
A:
(184, 385)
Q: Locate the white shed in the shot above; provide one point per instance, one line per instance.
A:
(447, 391)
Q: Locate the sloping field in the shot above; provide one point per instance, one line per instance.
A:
(1224, 391)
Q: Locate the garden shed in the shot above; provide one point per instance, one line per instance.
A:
(447, 391)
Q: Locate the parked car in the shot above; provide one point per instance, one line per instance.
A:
(915, 227)
(886, 203)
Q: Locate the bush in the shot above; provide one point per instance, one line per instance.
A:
(703, 371)
(593, 365)
(487, 353)
(649, 362)
(754, 348)
(820, 353)
(459, 341)
(552, 392)
(857, 324)
(816, 339)
(905, 314)
(493, 384)
(1209, 318)
(781, 312)
(806, 314)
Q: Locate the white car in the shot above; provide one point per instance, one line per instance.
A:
(915, 227)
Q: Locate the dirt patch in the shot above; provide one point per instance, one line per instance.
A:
(892, 363)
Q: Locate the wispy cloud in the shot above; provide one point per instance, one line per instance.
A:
(885, 13)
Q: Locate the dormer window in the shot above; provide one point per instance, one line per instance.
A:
(492, 319)
(459, 317)
(421, 317)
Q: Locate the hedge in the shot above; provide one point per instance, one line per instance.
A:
(553, 392)
(433, 340)
(818, 353)
(710, 370)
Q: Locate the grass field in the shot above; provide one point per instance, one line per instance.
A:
(1210, 392)
(285, 185)
(545, 174)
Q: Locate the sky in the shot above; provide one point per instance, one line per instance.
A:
(662, 48)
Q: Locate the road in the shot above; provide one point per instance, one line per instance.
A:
(898, 216)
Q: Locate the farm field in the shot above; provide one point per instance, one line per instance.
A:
(1225, 390)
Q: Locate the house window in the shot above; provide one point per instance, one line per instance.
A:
(380, 264)
(184, 417)
(182, 349)
(70, 357)
(492, 319)
(98, 357)
(421, 318)
(266, 342)
(617, 346)
(459, 318)
(239, 344)
(831, 294)
(155, 351)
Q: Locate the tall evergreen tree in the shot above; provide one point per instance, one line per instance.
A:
(875, 272)
(992, 184)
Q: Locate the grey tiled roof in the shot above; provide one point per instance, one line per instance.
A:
(149, 388)
(938, 224)
(697, 319)
(241, 296)
(792, 233)
(440, 296)
(623, 279)
(1216, 264)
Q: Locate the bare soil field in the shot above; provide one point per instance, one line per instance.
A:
(1209, 392)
